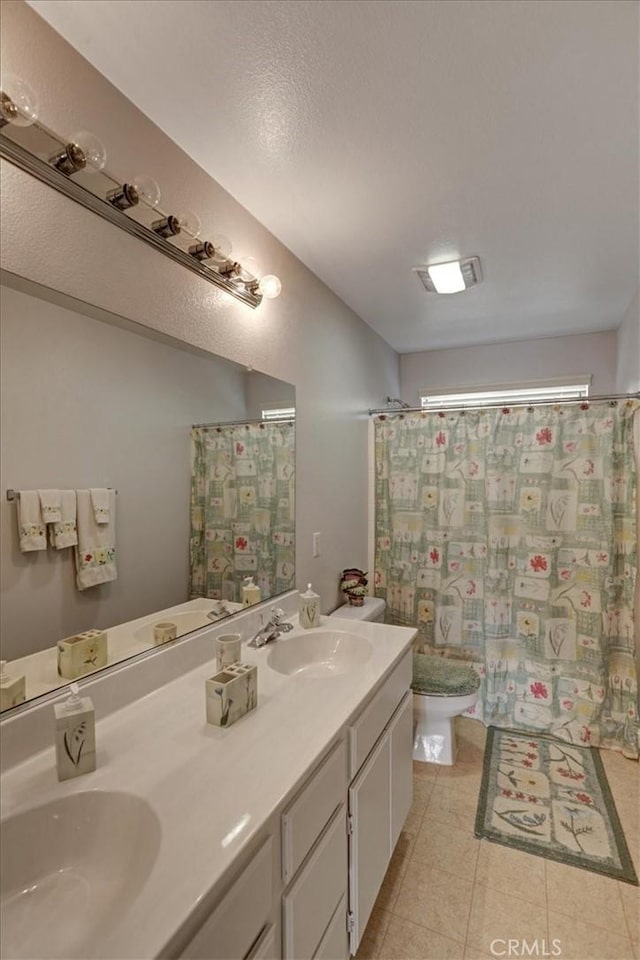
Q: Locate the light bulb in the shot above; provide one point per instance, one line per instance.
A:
(18, 102)
(93, 149)
(270, 286)
(148, 189)
(190, 223)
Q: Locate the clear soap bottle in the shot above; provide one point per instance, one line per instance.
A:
(309, 615)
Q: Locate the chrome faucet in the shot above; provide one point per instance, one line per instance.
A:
(221, 610)
(271, 630)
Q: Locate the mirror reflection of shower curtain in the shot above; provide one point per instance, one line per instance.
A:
(242, 509)
(508, 538)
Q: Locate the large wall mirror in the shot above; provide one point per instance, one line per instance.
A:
(202, 466)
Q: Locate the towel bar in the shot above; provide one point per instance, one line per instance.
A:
(15, 494)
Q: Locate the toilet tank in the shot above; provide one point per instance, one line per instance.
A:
(372, 609)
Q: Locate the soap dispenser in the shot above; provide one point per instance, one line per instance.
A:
(75, 735)
(250, 592)
(12, 689)
(309, 609)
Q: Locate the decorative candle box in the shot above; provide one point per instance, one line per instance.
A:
(231, 693)
(82, 654)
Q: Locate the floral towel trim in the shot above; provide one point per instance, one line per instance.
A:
(32, 537)
(64, 534)
(97, 558)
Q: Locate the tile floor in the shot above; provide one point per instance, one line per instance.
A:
(447, 895)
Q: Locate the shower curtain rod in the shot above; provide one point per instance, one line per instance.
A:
(505, 403)
(242, 423)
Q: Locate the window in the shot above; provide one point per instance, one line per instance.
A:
(567, 388)
(279, 413)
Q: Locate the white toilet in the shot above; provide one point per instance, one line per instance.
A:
(372, 609)
(442, 690)
(434, 709)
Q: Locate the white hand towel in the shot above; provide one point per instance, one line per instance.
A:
(100, 502)
(30, 524)
(65, 532)
(50, 506)
(96, 549)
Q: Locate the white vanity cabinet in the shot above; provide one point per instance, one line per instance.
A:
(314, 863)
(308, 891)
(381, 792)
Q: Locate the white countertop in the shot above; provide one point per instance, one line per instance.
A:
(124, 640)
(212, 788)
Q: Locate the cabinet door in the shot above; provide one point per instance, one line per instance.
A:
(335, 944)
(369, 837)
(311, 901)
(401, 734)
(265, 948)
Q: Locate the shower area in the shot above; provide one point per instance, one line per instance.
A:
(242, 508)
(508, 537)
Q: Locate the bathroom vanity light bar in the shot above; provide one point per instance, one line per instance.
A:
(25, 143)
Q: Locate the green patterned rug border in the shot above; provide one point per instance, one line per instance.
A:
(625, 872)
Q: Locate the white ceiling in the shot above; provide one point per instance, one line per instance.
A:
(374, 135)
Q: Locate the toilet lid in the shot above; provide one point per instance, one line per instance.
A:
(439, 677)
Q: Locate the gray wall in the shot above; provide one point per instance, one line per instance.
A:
(87, 404)
(309, 337)
(628, 365)
(521, 360)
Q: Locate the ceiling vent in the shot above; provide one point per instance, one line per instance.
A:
(454, 276)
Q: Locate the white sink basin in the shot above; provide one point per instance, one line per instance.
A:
(70, 869)
(319, 654)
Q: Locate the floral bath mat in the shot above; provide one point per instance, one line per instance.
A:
(553, 799)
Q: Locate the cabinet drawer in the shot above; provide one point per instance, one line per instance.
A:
(311, 902)
(334, 944)
(364, 732)
(304, 820)
(235, 924)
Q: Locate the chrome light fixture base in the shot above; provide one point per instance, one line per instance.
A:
(111, 199)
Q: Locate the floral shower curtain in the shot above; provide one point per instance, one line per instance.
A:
(242, 509)
(508, 537)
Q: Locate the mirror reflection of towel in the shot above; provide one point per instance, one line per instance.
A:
(96, 549)
(65, 533)
(31, 528)
(50, 505)
(100, 502)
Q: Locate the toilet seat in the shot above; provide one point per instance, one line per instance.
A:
(440, 677)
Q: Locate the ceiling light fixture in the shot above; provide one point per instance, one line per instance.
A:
(454, 276)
